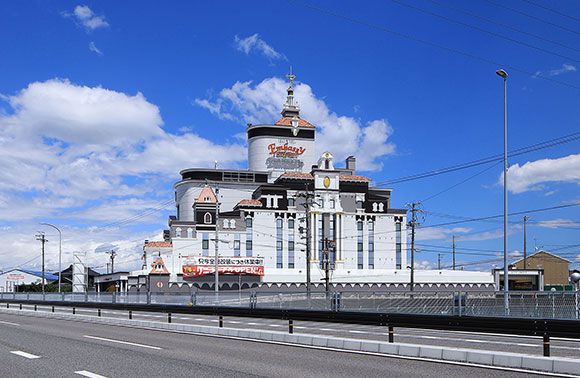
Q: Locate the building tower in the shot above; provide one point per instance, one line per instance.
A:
(287, 145)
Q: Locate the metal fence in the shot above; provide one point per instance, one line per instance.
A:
(544, 305)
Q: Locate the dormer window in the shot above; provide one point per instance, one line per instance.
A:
(207, 218)
(206, 199)
(226, 223)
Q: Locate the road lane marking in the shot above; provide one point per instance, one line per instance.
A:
(9, 323)
(24, 354)
(122, 342)
(85, 373)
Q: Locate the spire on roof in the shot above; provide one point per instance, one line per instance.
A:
(291, 108)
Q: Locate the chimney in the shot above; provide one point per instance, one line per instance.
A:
(351, 164)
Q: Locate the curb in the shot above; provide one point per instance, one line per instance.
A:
(554, 365)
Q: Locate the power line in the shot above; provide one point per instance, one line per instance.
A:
(467, 25)
(490, 159)
(552, 10)
(501, 215)
(432, 44)
(488, 20)
(459, 183)
(503, 6)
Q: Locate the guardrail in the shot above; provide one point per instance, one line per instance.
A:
(320, 309)
(539, 305)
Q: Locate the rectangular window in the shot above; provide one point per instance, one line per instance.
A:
(371, 255)
(398, 249)
(360, 245)
(249, 237)
(279, 243)
(332, 204)
(205, 244)
(291, 202)
(359, 204)
(290, 224)
(237, 245)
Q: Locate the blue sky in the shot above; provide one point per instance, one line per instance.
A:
(104, 102)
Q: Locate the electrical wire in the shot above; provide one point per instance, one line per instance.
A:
(552, 10)
(467, 25)
(491, 21)
(504, 6)
(429, 43)
(490, 159)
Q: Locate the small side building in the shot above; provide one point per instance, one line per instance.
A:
(11, 279)
(556, 269)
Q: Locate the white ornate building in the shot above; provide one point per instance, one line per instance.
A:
(263, 214)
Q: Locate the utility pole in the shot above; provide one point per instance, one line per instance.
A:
(412, 224)
(526, 218)
(438, 261)
(326, 264)
(453, 252)
(216, 265)
(308, 199)
(113, 255)
(40, 236)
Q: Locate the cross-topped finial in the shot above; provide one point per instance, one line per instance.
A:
(291, 77)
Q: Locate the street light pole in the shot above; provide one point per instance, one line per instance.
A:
(503, 74)
(59, 254)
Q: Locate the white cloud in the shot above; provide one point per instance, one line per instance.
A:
(557, 223)
(20, 246)
(68, 144)
(531, 175)
(95, 49)
(342, 135)
(557, 71)
(438, 233)
(83, 15)
(77, 154)
(255, 43)
(424, 265)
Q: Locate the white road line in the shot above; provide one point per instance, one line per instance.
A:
(24, 354)
(85, 373)
(9, 323)
(122, 342)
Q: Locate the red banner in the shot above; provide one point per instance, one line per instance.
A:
(190, 271)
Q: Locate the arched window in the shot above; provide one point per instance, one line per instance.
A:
(232, 223)
(178, 232)
(207, 218)
(190, 233)
(226, 223)
(381, 207)
(374, 206)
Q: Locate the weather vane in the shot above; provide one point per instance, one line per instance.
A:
(291, 77)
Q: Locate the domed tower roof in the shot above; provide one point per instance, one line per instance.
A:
(287, 145)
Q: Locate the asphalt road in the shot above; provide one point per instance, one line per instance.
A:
(42, 347)
(471, 340)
